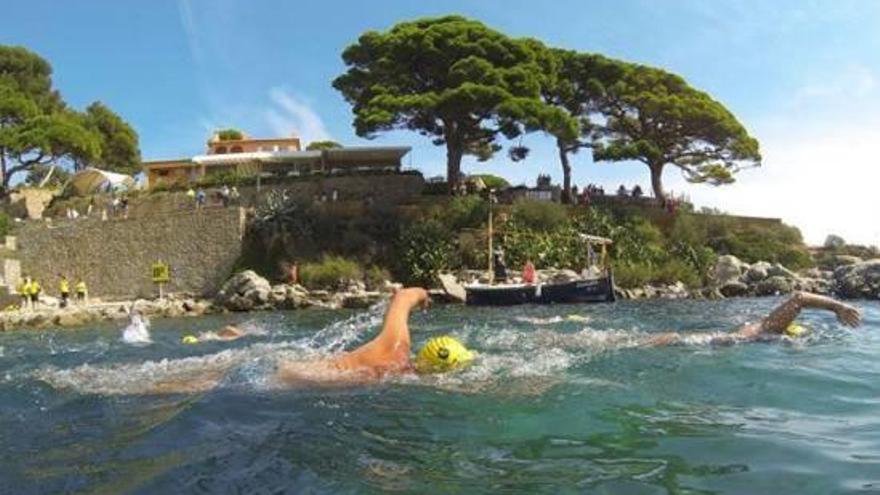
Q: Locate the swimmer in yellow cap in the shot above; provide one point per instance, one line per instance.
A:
(780, 322)
(388, 353)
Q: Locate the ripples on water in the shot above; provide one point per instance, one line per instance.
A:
(559, 401)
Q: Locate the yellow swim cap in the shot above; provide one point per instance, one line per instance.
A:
(442, 354)
(795, 330)
(190, 339)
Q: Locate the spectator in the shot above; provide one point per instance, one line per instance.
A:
(224, 195)
(334, 196)
(200, 199)
(234, 195)
(64, 290)
(499, 267)
(637, 191)
(528, 273)
(191, 194)
(123, 203)
(90, 207)
(82, 292)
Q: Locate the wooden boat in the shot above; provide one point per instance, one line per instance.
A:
(598, 286)
(585, 290)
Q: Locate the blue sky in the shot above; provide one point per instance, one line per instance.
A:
(802, 76)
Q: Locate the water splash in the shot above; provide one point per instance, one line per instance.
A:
(137, 331)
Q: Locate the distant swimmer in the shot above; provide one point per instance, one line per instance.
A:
(780, 322)
(225, 334)
(138, 329)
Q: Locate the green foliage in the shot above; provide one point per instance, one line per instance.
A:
(38, 173)
(119, 149)
(375, 276)
(542, 216)
(449, 78)
(332, 272)
(229, 134)
(424, 249)
(669, 272)
(323, 145)
(5, 223)
(465, 212)
(36, 128)
(492, 181)
(657, 118)
(435, 188)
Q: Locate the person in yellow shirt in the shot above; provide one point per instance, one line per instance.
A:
(34, 293)
(64, 289)
(24, 289)
(82, 292)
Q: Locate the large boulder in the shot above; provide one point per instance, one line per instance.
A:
(773, 286)
(758, 272)
(727, 269)
(777, 270)
(734, 288)
(859, 280)
(244, 282)
(245, 291)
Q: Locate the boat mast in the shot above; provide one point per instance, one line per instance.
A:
(491, 269)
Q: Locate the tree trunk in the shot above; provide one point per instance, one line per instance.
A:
(566, 172)
(657, 183)
(453, 165)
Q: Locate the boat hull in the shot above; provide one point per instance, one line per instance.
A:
(576, 291)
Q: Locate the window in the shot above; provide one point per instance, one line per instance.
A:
(235, 149)
(162, 173)
(220, 150)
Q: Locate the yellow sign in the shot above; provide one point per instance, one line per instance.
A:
(161, 272)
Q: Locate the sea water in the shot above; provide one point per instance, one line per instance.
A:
(560, 400)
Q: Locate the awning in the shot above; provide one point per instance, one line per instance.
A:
(92, 180)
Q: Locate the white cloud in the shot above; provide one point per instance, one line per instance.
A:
(187, 20)
(291, 115)
(853, 82)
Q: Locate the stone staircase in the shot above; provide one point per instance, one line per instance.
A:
(10, 272)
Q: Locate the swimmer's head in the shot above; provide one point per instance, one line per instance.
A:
(442, 354)
(794, 330)
(189, 339)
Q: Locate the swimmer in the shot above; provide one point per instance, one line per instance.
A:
(386, 355)
(138, 329)
(226, 334)
(779, 323)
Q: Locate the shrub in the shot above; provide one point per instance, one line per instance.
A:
(465, 212)
(436, 188)
(542, 216)
(424, 249)
(5, 223)
(229, 134)
(632, 275)
(375, 276)
(332, 272)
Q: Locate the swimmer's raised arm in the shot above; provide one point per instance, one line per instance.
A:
(779, 319)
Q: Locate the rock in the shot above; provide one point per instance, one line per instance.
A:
(859, 280)
(845, 260)
(727, 269)
(774, 285)
(360, 300)
(245, 283)
(777, 270)
(758, 272)
(734, 288)
(73, 318)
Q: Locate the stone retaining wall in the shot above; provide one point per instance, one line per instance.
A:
(115, 256)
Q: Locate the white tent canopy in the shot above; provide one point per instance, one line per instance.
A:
(92, 180)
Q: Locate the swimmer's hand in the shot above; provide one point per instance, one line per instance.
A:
(848, 315)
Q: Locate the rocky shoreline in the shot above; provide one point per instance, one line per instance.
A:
(247, 291)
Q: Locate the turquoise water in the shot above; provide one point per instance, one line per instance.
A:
(552, 406)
